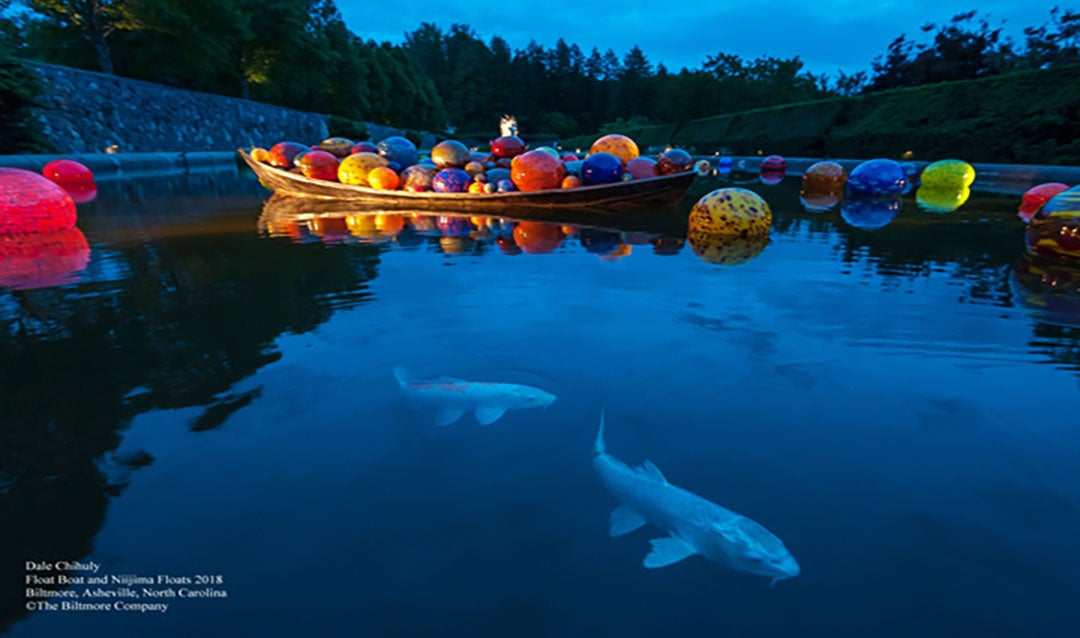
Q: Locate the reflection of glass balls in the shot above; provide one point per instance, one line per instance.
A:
(598, 241)
(948, 174)
(601, 168)
(731, 211)
(452, 226)
(674, 161)
(941, 199)
(877, 177)
(824, 176)
(870, 213)
(42, 259)
(771, 178)
(537, 237)
(400, 150)
(728, 250)
(30, 203)
(702, 167)
(451, 180)
(620, 146)
(818, 201)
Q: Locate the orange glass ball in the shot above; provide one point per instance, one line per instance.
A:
(537, 171)
(571, 181)
(824, 177)
(620, 146)
(383, 178)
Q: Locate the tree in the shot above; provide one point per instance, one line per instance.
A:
(96, 20)
(1055, 43)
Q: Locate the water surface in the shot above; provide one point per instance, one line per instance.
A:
(898, 405)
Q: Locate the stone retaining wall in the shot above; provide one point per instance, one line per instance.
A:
(87, 112)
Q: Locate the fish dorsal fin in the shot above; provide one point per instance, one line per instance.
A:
(624, 520)
(489, 414)
(446, 416)
(668, 551)
(648, 469)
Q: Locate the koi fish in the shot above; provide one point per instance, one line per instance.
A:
(693, 524)
(453, 397)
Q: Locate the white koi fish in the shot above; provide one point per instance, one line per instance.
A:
(694, 525)
(452, 397)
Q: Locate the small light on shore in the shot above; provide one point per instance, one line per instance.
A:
(112, 149)
(907, 155)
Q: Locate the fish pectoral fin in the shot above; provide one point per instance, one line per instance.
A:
(490, 414)
(624, 520)
(446, 416)
(668, 551)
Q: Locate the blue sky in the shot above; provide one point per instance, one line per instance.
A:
(827, 34)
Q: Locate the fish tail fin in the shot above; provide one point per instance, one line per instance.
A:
(402, 375)
(599, 447)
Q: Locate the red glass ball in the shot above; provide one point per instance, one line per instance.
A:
(65, 172)
(29, 203)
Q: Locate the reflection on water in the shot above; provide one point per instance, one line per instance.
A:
(206, 384)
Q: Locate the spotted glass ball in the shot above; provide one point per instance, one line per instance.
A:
(731, 211)
(451, 180)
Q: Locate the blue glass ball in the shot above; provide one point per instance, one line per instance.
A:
(399, 150)
(496, 175)
(506, 186)
(877, 177)
(573, 167)
(870, 213)
(451, 180)
(601, 168)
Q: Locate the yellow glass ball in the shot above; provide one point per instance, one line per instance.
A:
(731, 211)
(620, 146)
(948, 174)
(354, 169)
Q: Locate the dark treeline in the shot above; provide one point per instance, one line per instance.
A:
(299, 53)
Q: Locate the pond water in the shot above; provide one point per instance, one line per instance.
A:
(213, 394)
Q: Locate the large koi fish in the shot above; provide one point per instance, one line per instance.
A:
(693, 524)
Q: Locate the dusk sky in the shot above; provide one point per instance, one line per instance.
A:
(827, 34)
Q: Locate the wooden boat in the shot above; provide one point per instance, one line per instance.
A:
(666, 189)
